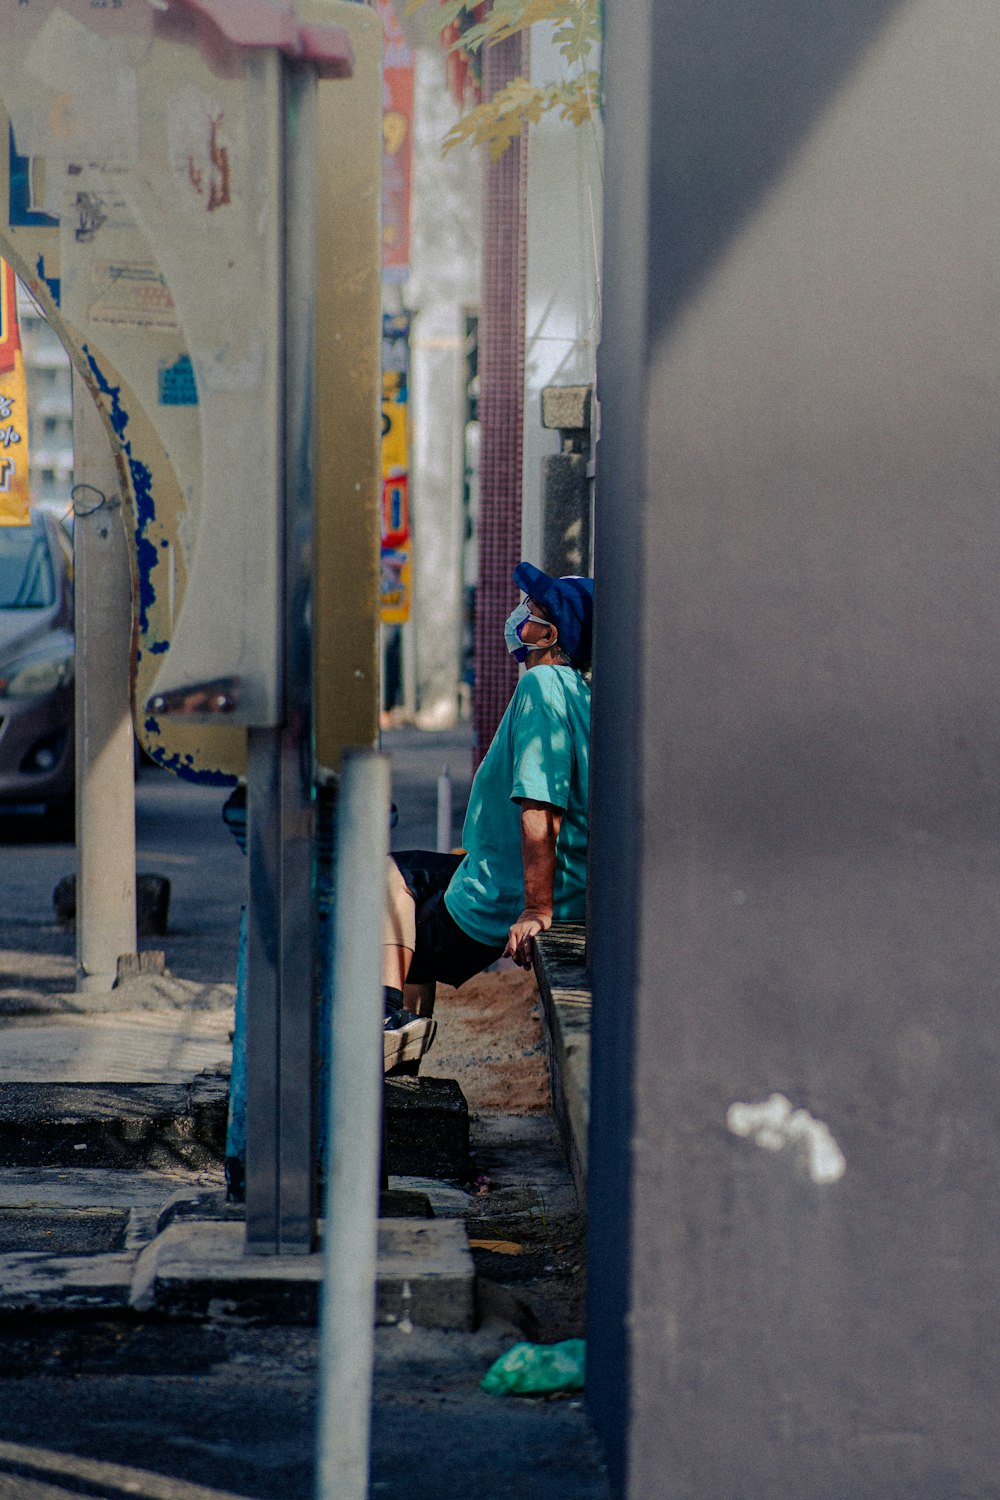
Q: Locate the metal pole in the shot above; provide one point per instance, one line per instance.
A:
(444, 811)
(105, 767)
(263, 993)
(280, 1188)
(352, 1191)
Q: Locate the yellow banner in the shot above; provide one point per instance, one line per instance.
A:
(396, 543)
(13, 408)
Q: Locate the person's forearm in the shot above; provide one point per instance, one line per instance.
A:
(540, 823)
(539, 831)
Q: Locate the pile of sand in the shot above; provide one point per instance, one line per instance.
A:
(490, 1040)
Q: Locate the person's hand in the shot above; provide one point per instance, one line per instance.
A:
(522, 933)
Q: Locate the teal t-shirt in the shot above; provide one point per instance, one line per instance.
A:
(541, 751)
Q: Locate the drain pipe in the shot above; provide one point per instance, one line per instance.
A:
(350, 1232)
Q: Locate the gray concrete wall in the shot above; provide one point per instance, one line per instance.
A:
(800, 392)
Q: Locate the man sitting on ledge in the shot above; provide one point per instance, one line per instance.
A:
(450, 916)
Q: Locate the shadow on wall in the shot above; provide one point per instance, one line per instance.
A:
(762, 72)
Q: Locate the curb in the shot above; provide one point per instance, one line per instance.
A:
(564, 986)
(159, 1125)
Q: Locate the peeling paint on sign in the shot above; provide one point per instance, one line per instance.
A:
(201, 150)
(774, 1124)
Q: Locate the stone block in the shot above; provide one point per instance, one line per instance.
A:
(425, 1274)
(196, 1269)
(137, 965)
(113, 1125)
(565, 514)
(427, 1128)
(567, 406)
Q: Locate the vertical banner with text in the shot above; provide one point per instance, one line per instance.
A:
(13, 408)
(396, 539)
(397, 145)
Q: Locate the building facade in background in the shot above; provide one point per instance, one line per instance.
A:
(557, 238)
(50, 410)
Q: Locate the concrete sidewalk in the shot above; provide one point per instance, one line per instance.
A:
(163, 1248)
(135, 1081)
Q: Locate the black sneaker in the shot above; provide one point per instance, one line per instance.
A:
(405, 1037)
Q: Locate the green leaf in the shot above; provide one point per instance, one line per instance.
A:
(500, 122)
(580, 33)
(580, 100)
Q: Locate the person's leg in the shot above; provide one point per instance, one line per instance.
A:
(400, 929)
(415, 878)
(422, 941)
(408, 1030)
(420, 997)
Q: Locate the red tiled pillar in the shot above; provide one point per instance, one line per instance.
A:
(501, 403)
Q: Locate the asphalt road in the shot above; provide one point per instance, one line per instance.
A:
(180, 834)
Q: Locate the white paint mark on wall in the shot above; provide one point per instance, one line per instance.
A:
(774, 1124)
(234, 369)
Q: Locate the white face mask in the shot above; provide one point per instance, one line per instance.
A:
(512, 632)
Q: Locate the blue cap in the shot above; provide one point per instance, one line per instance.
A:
(569, 604)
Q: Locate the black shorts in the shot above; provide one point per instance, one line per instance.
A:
(444, 951)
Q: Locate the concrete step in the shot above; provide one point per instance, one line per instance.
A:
(197, 1269)
(124, 1125)
(163, 1125)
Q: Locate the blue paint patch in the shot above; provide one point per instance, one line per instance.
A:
(21, 211)
(119, 416)
(177, 385)
(146, 553)
(52, 282)
(187, 772)
(147, 558)
(159, 648)
(184, 766)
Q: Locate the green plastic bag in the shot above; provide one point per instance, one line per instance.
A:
(538, 1369)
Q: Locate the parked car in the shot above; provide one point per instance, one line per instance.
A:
(36, 667)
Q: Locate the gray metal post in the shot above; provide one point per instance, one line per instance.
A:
(263, 1001)
(350, 1231)
(105, 794)
(280, 1086)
